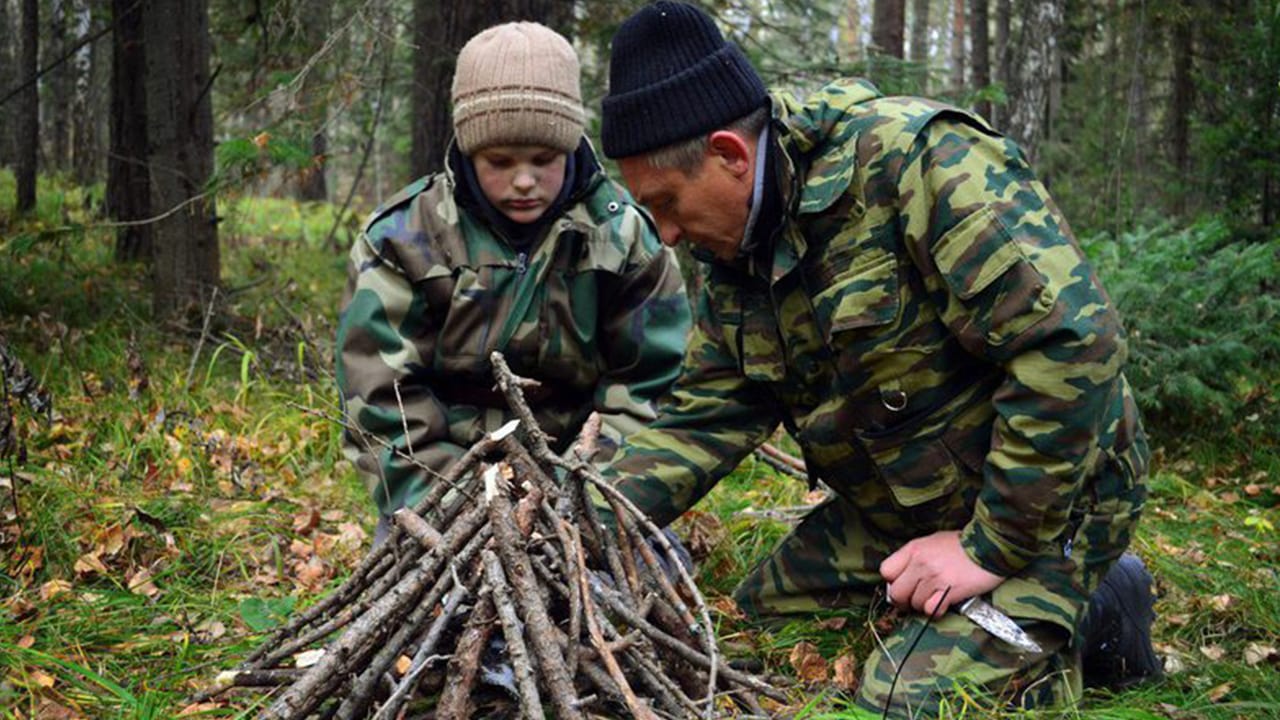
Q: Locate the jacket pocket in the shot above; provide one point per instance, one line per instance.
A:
(997, 286)
(866, 295)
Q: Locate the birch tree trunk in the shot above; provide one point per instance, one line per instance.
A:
(1034, 68)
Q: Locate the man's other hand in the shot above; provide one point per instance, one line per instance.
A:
(920, 572)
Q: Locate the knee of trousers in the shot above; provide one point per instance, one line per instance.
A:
(952, 663)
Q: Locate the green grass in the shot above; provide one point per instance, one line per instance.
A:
(196, 477)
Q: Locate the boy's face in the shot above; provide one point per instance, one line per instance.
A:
(520, 180)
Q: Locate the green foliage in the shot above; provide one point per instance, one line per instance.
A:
(1203, 313)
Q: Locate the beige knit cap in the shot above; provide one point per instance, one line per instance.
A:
(517, 84)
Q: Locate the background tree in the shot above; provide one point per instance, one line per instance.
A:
(8, 80)
(920, 42)
(980, 55)
(314, 21)
(128, 196)
(1034, 70)
(957, 48)
(28, 100)
(180, 154)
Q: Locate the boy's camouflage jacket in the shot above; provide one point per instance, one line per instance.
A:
(595, 311)
(927, 329)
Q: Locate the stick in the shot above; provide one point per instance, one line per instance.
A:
(530, 702)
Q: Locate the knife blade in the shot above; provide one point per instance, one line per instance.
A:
(986, 616)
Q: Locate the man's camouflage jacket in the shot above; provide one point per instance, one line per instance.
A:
(595, 311)
(925, 326)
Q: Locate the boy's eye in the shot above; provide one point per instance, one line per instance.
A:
(544, 159)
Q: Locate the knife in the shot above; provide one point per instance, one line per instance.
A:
(986, 616)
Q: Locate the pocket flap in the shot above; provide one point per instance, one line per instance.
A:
(974, 253)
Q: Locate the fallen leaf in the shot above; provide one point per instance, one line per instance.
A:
(42, 679)
(307, 658)
(199, 708)
(728, 608)
(301, 548)
(1253, 490)
(1219, 692)
(90, 564)
(1220, 603)
(1178, 619)
(403, 663)
(1213, 652)
(1230, 497)
(845, 671)
(1257, 653)
(140, 584)
(306, 521)
(311, 573)
(210, 630)
(809, 665)
(26, 641)
(835, 623)
(53, 589)
(50, 710)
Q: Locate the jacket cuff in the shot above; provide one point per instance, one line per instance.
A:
(992, 551)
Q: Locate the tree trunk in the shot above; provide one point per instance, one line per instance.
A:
(90, 111)
(180, 135)
(128, 179)
(440, 31)
(8, 80)
(957, 48)
(315, 21)
(1035, 68)
(887, 27)
(980, 53)
(28, 139)
(1183, 96)
(61, 84)
(851, 35)
(920, 43)
(1004, 20)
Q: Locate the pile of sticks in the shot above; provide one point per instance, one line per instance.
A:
(509, 544)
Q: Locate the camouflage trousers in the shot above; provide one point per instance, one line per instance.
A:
(831, 560)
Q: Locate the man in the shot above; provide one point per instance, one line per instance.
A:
(520, 245)
(886, 278)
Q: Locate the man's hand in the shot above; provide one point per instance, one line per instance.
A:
(921, 571)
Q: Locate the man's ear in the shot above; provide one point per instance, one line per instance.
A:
(732, 150)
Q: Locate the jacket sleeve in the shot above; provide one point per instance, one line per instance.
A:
(712, 420)
(1013, 286)
(396, 430)
(643, 334)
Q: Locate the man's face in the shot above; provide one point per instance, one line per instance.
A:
(707, 207)
(520, 180)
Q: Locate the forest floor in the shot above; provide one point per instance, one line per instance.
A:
(187, 493)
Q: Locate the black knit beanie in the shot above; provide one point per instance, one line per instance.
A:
(672, 76)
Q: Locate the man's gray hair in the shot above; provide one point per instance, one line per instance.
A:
(686, 155)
